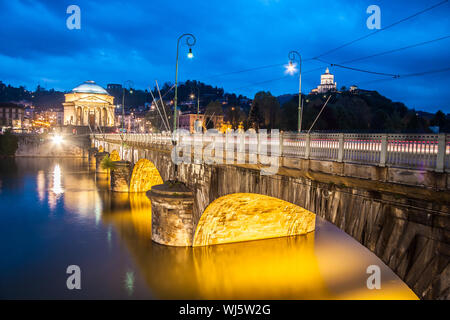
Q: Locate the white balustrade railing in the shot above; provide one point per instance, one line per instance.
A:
(416, 151)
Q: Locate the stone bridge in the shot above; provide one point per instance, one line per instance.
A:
(399, 212)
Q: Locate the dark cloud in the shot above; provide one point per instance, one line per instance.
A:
(136, 40)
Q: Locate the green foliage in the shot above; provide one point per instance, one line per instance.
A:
(235, 115)
(265, 112)
(214, 107)
(8, 144)
(107, 163)
(364, 112)
(441, 121)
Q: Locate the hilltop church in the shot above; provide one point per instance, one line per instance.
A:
(326, 83)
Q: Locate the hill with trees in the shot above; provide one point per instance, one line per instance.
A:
(361, 111)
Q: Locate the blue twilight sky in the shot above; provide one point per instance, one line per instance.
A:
(121, 40)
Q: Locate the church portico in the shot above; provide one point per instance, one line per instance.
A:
(89, 105)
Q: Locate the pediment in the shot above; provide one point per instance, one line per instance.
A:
(92, 98)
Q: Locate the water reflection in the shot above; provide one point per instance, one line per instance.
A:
(298, 267)
(57, 188)
(41, 185)
(109, 235)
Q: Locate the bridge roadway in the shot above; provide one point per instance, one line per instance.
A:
(390, 195)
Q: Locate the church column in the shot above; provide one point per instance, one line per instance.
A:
(85, 116)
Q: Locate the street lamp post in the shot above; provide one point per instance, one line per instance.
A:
(292, 57)
(190, 41)
(198, 101)
(197, 121)
(129, 82)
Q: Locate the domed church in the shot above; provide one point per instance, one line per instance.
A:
(89, 105)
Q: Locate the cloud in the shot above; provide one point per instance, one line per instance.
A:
(121, 40)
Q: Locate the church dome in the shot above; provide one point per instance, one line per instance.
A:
(89, 87)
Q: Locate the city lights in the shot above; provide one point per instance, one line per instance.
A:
(302, 153)
(57, 139)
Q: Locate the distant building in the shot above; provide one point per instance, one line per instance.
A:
(11, 115)
(353, 88)
(326, 83)
(54, 116)
(114, 86)
(187, 121)
(89, 105)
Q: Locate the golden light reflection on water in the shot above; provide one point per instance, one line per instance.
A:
(325, 264)
(41, 185)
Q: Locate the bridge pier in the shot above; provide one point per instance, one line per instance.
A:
(91, 158)
(172, 214)
(120, 176)
(98, 160)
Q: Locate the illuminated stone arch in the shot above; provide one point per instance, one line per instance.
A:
(145, 175)
(115, 155)
(249, 216)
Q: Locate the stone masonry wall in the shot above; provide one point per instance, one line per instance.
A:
(407, 227)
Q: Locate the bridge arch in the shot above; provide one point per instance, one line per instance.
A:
(249, 216)
(145, 175)
(114, 155)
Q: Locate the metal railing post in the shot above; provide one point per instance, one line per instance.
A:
(281, 141)
(307, 145)
(383, 151)
(440, 157)
(341, 148)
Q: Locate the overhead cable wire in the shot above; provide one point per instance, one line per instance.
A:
(382, 29)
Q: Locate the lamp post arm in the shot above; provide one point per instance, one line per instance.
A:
(292, 57)
(190, 41)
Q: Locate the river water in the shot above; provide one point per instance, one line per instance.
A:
(56, 212)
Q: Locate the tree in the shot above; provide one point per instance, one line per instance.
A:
(264, 112)
(8, 144)
(235, 115)
(107, 164)
(439, 120)
(415, 123)
(254, 119)
(289, 111)
(214, 108)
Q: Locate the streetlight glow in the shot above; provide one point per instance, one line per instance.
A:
(291, 68)
(57, 139)
(190, 55)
